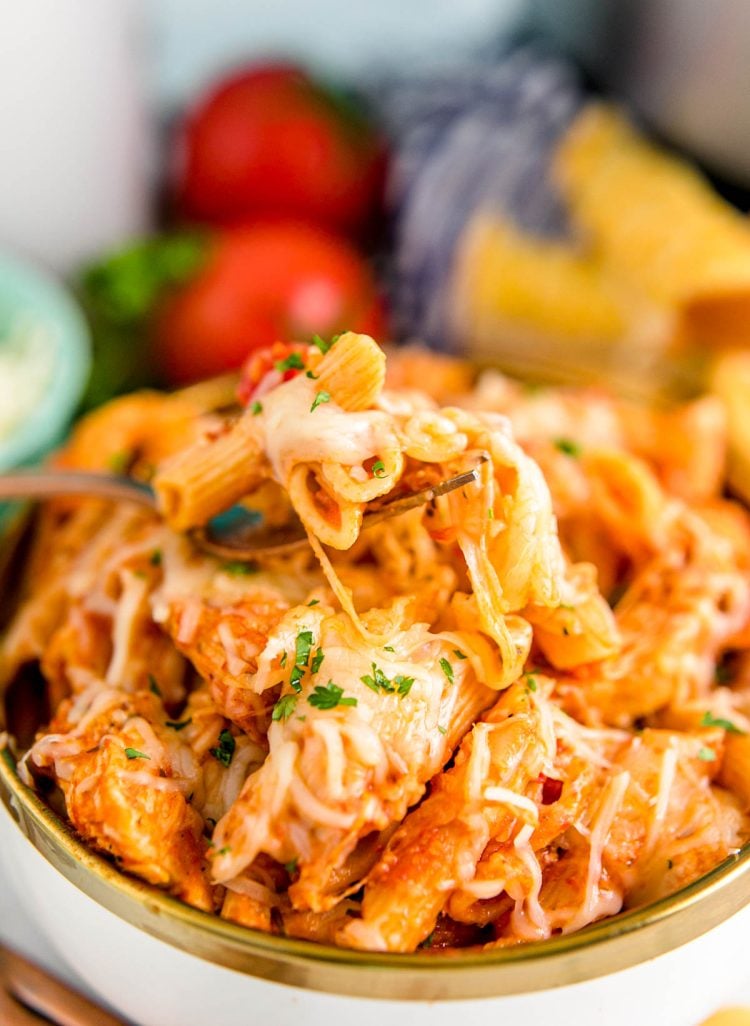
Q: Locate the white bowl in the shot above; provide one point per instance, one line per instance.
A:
(161, 963)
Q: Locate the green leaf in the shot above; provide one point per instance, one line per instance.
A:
(284, 707)
(133, 753)
(224, 751)
(292, 362)
(447, 669)
(568, 447)
(328, 696)
(256, 407)
(709, 720)
(320, 397)
(706, 754)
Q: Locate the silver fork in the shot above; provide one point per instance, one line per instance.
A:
(238, 534)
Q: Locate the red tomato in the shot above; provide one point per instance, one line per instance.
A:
(270, 140)
(266, 282)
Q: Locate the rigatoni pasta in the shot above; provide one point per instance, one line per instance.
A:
(503, 715)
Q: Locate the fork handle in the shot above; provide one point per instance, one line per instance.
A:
(46, 484)
(49, 997)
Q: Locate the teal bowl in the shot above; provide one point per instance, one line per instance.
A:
(30, 296)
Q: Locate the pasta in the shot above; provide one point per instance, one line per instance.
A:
(506, 714)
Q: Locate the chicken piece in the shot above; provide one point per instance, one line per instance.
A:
(127, 780)
(356, 735)
(675, 619)
(437, 847)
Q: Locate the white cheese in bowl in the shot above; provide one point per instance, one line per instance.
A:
(26, 370)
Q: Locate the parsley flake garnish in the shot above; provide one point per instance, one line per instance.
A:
(239, 568)
(133, 753)
(709, 720)
(378, 469)
(377, 682)
(388, 648)
(314, 602)
(225, 850)
(256, 407)
(442, 729)
(293, 362)
(225, 749)
(530, 682)
(153, 686)
(447, 669)
(317, 661)
(459, 654)
(329, 696)
(568, 447)
(291, 866)
(284, 707)
(313, 377)
(302, 647)
(320, 397)
(490, 513)
(321, 344)
(179, 725)
(282, 660)
(403, 684)
(155, 558)
(706, 754)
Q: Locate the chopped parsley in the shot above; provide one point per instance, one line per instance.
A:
(179, 725)
(568, 447)
(225, 850)
(378, 468)
(328, 696)
(321, 344)
(490, 513)
(530, 681)
(133, 753)
(282, 660)
(153, 687)
(293, 362)
(314, 602)
(313, 377)
(239, 567)
(442, 729)
(155, 558)
(388, 648)
(291, 866)
(284, 707)
(709, 720)
(225, 749)
(377, 682)
(706, 754)
(459, 654)
(256, 407)
(447, 669)
(302, 647)
(317, 661)
(320, 397)
(403, 684)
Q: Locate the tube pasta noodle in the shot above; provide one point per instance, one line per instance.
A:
(491, 719)
(654, 220)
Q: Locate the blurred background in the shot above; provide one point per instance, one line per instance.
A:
(556, 185)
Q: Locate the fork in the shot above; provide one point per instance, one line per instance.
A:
(29, 996)
(238, 533)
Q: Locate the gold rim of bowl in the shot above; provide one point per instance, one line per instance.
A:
(605, 947)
